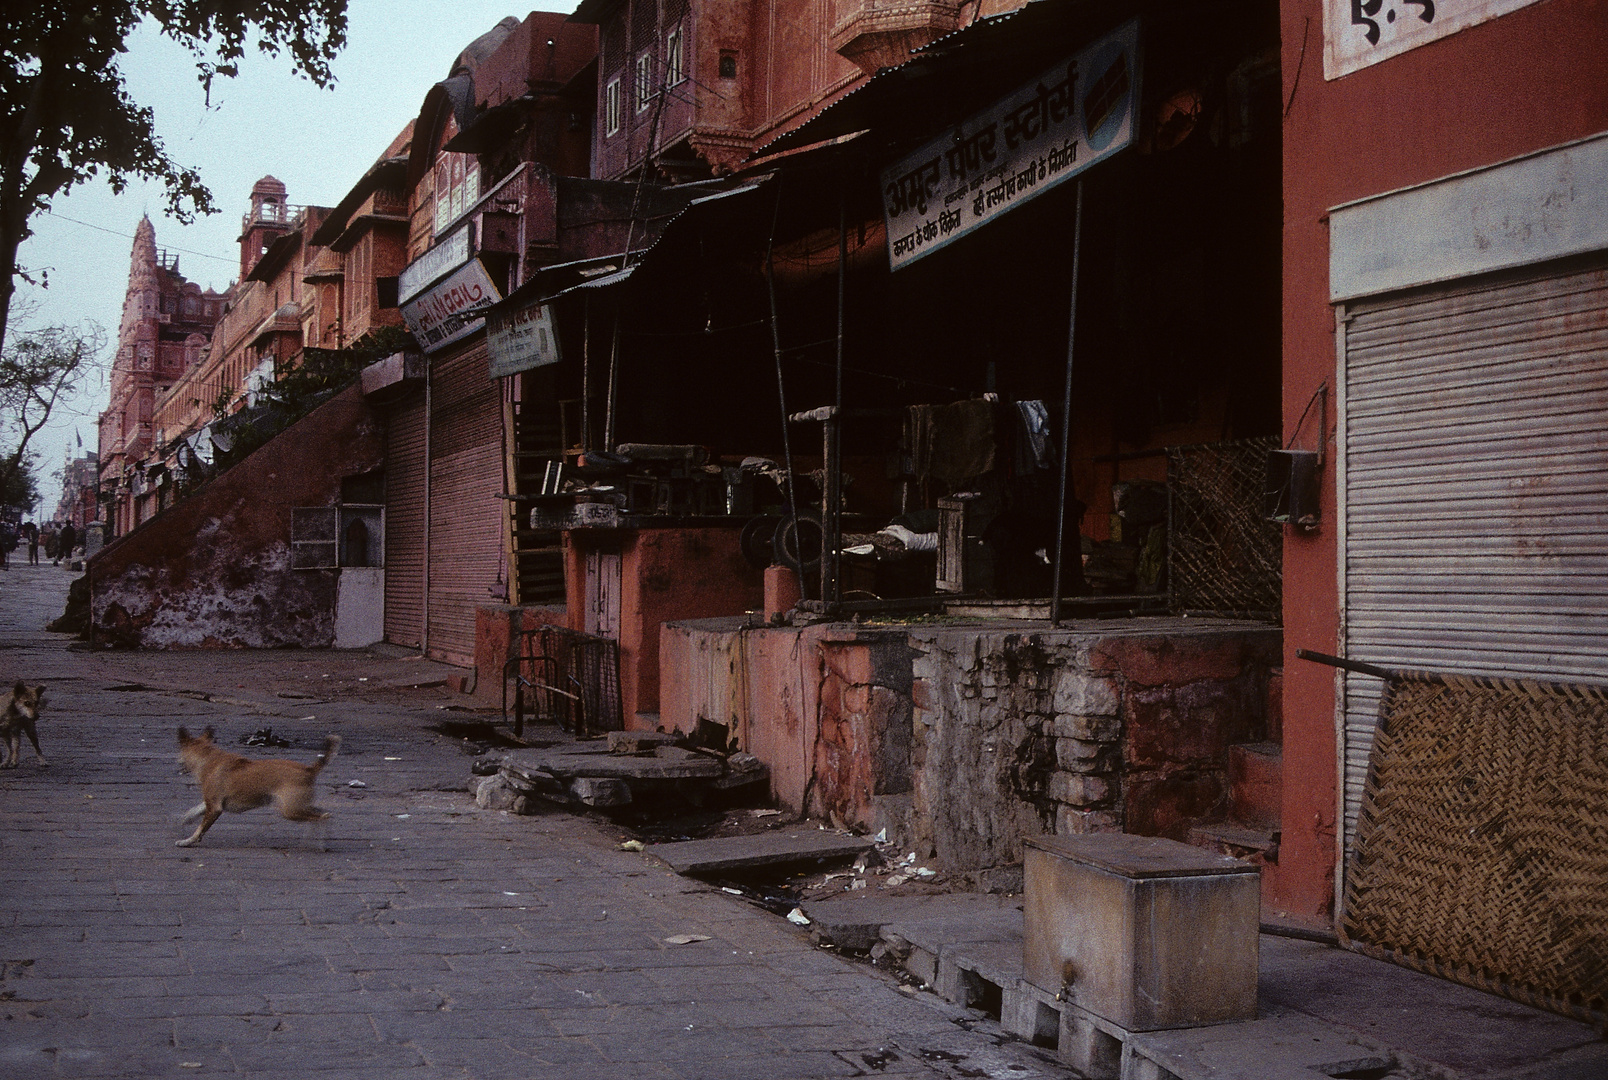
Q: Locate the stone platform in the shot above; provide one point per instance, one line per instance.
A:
(962, 739)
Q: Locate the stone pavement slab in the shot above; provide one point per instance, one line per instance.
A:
(412, 937)
(771, 850)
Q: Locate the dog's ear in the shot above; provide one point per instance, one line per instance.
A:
(209, 733)
(21, 690)
(184, 736)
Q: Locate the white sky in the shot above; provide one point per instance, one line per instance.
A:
(266, 121)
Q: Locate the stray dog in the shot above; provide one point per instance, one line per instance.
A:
(20, 715)
(234, 783)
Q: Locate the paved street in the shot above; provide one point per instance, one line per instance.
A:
(430, 939)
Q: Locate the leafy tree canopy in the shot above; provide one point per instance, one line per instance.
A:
(66, 115)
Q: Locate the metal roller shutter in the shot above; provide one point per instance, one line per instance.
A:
(404, 521)
(1474, 473)
(467, 560)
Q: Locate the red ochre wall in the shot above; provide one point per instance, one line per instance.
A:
(665, 574)
(1531, 79)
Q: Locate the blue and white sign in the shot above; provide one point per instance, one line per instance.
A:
(1073, 116)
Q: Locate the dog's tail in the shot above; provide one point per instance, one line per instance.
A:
(332, 743)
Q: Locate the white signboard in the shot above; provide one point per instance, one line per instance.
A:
(1357, 33)
(1075, 115)
(521, 340)
(449, 252)
(453, 308)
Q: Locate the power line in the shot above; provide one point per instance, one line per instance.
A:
(130, 236)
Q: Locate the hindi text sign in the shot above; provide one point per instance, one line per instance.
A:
(1357, 33)
(449, 252)
(1075, 115)
(521, 339)
(453, 308)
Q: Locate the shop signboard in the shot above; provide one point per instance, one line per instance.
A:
(1073, 116)
(448, 253)
(521, 339)
(1357, 33)
(453, 308)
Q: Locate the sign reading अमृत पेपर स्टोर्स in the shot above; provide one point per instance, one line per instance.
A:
(1075, 115)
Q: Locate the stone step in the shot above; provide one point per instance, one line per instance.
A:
(1236, 838)
(1255, 781)
(773, 850)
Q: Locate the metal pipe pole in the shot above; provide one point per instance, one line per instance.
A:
(781, 391)
(614, 383)
(424, 628)
(586, 373)
(1066, 414)
(832, 511)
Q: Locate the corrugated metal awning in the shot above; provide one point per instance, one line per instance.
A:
(946, 78)
(552, 282)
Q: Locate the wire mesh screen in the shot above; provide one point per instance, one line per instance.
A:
(569, 678)
(1224, 558)
(1482, 847)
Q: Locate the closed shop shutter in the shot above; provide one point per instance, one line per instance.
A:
(404, 521)
(466, 514)
(1475, 486)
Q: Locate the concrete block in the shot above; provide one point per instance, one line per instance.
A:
(1072, 821)
(600, 791)
(975, 974)
(778, 849)
(639, 742)
(1079, 790)
(923, 964)
(1142, 931)
(1284, 1047)
(1086, 695)
(1031, 1015)
(1255, 783)
(1089, 1048)
(1078, 753)
(1096, 728)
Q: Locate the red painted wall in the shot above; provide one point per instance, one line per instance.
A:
(665, 574)
(1523, 82)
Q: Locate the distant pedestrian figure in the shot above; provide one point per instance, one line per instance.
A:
(48, 538)
(8, 542)
(30, 532)
(65, 542)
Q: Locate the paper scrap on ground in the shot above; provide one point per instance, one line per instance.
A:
(685, 939)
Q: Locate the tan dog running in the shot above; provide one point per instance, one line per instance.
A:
(18, 719)
(234, 783)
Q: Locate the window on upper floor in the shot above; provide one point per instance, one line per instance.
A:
(644, 81)
(728, 64)
(457, 187)
(674, 71)
(611, 107)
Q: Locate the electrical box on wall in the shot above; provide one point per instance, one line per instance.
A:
(1291, 496)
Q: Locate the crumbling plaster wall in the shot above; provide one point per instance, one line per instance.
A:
(1020, 732)
(964, 740)
(214, 570)
(826, 707)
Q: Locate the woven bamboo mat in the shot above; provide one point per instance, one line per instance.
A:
(1482, 845)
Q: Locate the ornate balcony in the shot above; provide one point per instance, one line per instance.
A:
(879, 33)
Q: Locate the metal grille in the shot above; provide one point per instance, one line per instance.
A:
(1224, 557)
(1482, 846)
(565, 677)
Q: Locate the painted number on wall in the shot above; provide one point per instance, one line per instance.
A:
(1357, 33)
